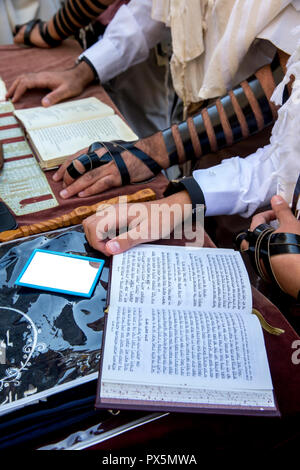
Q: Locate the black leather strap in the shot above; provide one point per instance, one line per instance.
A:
(284, 243)
(86, 161)
(73, 172)
(256, 248)
(195, 192)
(46, 36)
(91, 160)
(125, 176)
(29, 27)
(190, 185)
(89, 63)
(148, 161)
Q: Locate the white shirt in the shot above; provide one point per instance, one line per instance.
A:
(237, 185)
(241, 185)
(127, 40)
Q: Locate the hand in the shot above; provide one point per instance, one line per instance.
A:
(108, 176)
(35, 37)
(286, 267)
(139, 223)
(64, 84)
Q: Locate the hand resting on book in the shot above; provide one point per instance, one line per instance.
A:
(64, 84)
(285, 266)
(136, 223)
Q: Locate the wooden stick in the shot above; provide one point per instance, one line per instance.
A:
(76, 216)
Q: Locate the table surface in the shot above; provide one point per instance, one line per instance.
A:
(16, 60)
(285, 375)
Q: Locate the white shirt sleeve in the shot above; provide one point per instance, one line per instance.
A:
(127, 40)
(239, 185)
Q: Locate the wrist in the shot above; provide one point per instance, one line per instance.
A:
(182, 198)
(84, 73)
(155, 147)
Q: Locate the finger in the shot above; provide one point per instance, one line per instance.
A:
(62, 171)
(92, 179)
(12, 88)
(27, 82)
(105, 224)
(67, 179)
(93, 237)
(139, 234)
(19, 37)
(244, 245)
(103, 184)
(59, 94)
(262, 218)
(282, 211)
(19, 90)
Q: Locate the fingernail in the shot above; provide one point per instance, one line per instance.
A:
(277, 200)
(46, 101)
(54, 177)
(63, 193)
(113, 247)
(81, 194)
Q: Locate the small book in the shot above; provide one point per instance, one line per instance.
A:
(63, 129)
(180, 335)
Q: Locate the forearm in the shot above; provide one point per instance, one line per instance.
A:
(73, 15)
(241, 113)
(127, 40)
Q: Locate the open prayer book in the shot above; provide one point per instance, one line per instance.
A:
(65, 128)
(180, 335)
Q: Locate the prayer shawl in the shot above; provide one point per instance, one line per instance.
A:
(215, 42)
(285, 140)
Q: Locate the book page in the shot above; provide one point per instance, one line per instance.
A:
(6, 107)
(186, 348)
(173, 276)
(62, 113)
(60, 141)
(3, 90)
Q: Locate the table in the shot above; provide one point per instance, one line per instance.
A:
(214, 432)
(35, 60)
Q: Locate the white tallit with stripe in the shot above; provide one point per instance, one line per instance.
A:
(217, 43)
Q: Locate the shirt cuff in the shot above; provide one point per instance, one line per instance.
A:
(220, 197)
(105, 58)
(238, 185)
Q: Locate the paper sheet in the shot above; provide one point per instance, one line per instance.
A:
(23, 185)
(2, 90)
(88, 108)
(63, 140)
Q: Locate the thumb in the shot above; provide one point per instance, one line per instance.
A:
(57, 95)
(282, 210)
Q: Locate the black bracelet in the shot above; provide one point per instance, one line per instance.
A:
(89, 63)
(190, 185)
